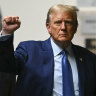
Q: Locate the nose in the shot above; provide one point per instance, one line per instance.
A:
(63, 26)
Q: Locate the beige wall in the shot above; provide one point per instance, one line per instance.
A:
(33, 15)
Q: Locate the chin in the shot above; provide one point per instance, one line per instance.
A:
(63, 40)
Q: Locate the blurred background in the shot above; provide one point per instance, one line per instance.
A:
(32, 14)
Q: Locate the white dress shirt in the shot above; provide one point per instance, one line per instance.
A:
(57, 89)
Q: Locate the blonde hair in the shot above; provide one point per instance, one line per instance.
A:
(61, 7)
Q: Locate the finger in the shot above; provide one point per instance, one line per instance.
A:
(16, 17)
(7, 19)
(17, 20)
(11, 20)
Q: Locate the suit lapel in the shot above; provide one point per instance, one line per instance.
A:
(80, 66)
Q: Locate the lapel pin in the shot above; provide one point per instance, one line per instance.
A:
(81, 59)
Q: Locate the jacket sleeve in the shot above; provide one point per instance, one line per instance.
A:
(20, 55)
(7, 54)
(7, 66)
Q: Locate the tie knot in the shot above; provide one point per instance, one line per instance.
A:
(64, 52)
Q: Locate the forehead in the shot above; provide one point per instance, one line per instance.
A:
(62, 15)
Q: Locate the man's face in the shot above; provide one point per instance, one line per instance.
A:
(62, 27)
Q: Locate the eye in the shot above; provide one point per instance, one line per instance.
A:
(67, 22)
(58, 22)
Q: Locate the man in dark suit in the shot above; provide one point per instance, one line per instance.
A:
(7, 80)
(39, 64)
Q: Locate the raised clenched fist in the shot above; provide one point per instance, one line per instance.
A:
(10, 24)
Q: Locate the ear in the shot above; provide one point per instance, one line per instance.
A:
(48, 27)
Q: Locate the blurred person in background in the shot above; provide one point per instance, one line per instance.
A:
(7, 81)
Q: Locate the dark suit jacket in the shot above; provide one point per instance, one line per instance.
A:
(7, 78)
(34, 64)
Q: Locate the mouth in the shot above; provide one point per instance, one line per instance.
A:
(63, 35)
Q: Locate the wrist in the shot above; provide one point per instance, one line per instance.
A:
(4, 32)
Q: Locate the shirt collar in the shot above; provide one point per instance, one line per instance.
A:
(57, 49)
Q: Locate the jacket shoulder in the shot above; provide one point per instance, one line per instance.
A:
(31, 43)
(83, 50)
